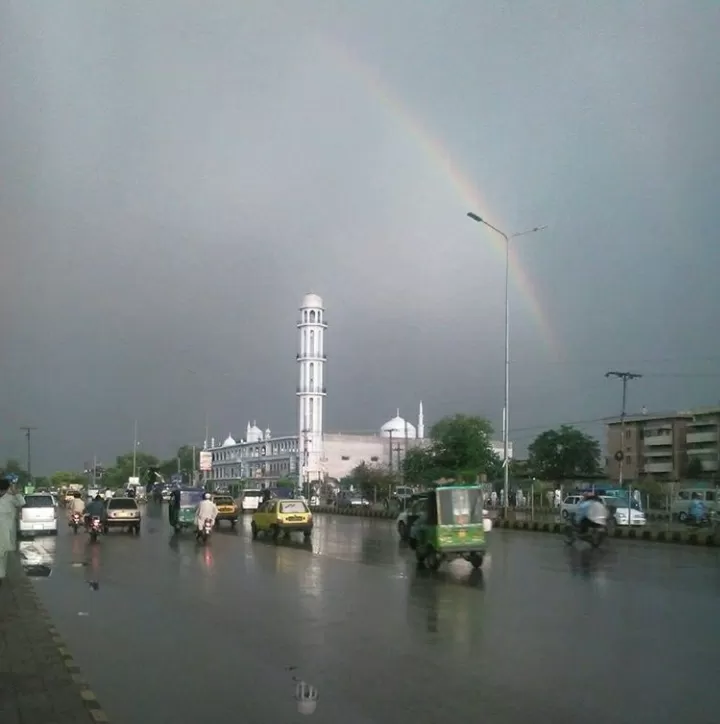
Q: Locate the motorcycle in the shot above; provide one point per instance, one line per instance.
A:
(594, 535)
(95, 529)
(75, 522)
(204, 533)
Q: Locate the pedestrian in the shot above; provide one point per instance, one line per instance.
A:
(10, 502)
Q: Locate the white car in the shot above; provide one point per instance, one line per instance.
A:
(38, 515)
(619, 510)
(569, 506)
(250, 500)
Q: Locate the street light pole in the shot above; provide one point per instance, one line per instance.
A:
(506, 407)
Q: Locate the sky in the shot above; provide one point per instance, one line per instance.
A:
(175, 176)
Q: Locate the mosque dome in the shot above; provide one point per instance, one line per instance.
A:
(254, 433)
(312, 301)
(398, 427)
(229, 441)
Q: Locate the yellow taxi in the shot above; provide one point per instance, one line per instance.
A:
(282, 517)
(227, 510)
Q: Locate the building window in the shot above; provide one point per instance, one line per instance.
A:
(627, 434)
(374, 459)
(346, 457)
(312, 342)
(628, 460)
(312, 316)
(305, 317)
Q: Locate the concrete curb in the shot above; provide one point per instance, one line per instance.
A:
(92, 705)
(691, 538)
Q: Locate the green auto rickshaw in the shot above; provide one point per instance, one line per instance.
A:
(184, 517)
(450, 526)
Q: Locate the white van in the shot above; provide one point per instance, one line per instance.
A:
(683, 497)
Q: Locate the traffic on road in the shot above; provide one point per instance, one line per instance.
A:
(167, 628)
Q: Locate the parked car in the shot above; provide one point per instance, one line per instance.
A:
(349, 499)
(38, 515)
(568, 508)
(618, 508)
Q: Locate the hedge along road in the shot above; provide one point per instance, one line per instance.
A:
(655, 532)
(174, 633)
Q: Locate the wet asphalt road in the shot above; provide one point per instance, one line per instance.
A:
(174, 632)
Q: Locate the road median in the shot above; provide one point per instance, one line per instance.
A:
(650, 533)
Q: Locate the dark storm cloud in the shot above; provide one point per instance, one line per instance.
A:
(175, 177)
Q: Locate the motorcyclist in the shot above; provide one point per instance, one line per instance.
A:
(591, 511)
(76, 507)
(95, 509)
(174, 506)
(206, 509)
(697, 511)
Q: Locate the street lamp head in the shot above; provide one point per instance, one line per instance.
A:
(475, 217)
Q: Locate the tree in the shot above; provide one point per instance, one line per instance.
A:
(373, 481)
(117, 476)
(187, 459)
(564, 454)
(694, 469)
(13, 467)
(460, 449)
(64, 478)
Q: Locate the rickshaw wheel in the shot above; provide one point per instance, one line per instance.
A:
(476, 560)
(433, 560)
(419, 555)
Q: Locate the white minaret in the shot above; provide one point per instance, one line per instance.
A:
(311, 387)
(421, 423)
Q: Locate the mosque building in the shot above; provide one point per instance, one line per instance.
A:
(312, 454)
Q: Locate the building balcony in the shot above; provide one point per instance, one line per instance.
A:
(311, 390)
(709, 436)
(311, 356)
(656, 440)
(658, 467)
(656, 452)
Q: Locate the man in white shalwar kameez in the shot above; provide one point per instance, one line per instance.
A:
(10, 504)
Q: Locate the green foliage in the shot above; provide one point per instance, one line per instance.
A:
(117, 476)
(460, 449)
(564, 454)
(64, 478)
(188, 462)
(373, 481)
(13, 467)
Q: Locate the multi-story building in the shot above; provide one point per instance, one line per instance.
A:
(702, 439)
(661, 445)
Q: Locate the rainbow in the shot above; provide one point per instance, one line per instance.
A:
(441, 158)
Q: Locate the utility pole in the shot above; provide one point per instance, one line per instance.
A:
(135, 446)
(390, 451)
(620, 454)
(28, 431)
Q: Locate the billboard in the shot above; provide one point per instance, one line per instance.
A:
(205, 461)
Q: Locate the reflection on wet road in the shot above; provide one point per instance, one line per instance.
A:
(160, 626)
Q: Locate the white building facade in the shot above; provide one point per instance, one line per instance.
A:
(311, 454)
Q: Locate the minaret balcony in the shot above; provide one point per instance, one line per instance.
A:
(312, 390)
(321, 325)
(311, 356)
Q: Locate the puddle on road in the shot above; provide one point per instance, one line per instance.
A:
(38, 556)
